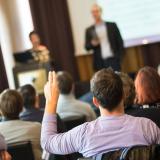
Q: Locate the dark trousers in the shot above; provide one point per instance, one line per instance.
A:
(113, 62)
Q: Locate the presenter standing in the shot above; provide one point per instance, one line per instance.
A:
(105, 40)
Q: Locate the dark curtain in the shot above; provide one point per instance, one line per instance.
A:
(151, 54)
(51, 21)
(3, 76)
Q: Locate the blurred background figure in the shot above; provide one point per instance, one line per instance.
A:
(39, 52)
(13, 129)
(129, 90)
(67, 103)
(147, 85)
(105, 40)
(31, 111)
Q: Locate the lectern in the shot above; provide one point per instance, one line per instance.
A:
(34, 73)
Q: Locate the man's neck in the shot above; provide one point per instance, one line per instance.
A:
(35, 47)
(98, 21)
(117, 112)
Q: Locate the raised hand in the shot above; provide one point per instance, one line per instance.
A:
(51, 92)
(4, 155)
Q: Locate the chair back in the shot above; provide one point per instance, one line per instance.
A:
(21, 151)
(81, 88)
(141, 153)
(131, 153)
(111, 155)
(73, 121)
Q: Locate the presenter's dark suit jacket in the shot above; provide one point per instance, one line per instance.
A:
(114, 38)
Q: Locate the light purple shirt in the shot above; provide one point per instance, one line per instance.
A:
(99, 136)
(3, 145)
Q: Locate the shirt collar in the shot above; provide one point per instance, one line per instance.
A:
(112, 117)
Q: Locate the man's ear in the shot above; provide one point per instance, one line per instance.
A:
(95, 102)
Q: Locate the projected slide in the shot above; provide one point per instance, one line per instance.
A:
(138, 20)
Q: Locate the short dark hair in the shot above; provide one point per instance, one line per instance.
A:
(65, 82)
(28, 93)
(107, 88)
(32, 33)
(11, 104)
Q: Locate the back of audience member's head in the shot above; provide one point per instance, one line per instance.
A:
(107, 88)
(65, 82)
(128, 88)
(147, 84)
(28, 93)
(11, 104)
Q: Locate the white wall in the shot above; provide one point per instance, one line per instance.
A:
(80, 19)
(15, 24)
(6, 42)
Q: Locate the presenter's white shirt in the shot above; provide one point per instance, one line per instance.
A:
(101, 32)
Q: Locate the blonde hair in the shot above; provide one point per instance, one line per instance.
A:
(97, 6)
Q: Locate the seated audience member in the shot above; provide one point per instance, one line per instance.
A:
(31, 110)
(147, 84)
(129, 90)
(13, 129)
(88, 97)
(67, 104)
(4, 155)
(113, 129)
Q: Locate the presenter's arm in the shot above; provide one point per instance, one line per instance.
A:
(51, 141)
(90, 43)
(120, 43)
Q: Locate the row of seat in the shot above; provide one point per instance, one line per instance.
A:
(130, 153)
(24, 151)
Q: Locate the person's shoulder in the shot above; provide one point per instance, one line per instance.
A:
(87, 125)
(31, 124)
(34, 127)
(139, 120)
(110, 23)
(83, 104)
(146, 124)
(3, 124)
(9, 123)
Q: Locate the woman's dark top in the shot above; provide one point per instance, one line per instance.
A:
(151, 111)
